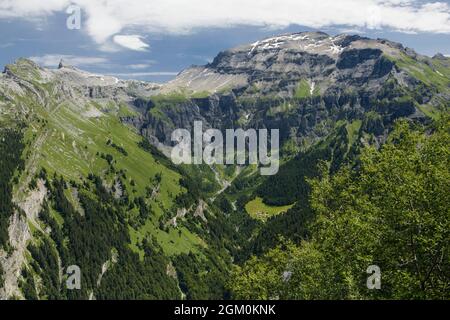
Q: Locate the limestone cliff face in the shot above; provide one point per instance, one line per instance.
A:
(298, 83)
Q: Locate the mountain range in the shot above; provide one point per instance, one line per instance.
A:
(86, 177)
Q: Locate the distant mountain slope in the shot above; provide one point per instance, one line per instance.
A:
(300, 83)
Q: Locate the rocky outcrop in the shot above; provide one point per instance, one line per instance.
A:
(19, 234)
(200, 210)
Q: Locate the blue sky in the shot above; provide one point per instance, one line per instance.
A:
(153, 43)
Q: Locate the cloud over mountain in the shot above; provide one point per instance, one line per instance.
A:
(106, 20)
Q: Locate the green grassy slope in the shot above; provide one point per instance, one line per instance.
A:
(72, 145)
(92, 165)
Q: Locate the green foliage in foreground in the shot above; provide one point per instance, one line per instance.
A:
(393, 211)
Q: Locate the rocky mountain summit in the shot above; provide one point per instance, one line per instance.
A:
(277, 64)
(297, 81)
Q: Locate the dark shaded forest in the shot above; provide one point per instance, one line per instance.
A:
(11, 147)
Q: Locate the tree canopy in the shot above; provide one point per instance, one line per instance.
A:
(391, 210)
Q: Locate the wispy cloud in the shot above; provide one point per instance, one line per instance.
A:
(106, 21)
(144, 74)
(140, 66)
(133, 42)
(6, 45)
(52, 60)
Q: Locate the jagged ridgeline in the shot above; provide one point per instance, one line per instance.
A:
(86, 181)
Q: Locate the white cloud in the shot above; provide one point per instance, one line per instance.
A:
(140, 66)
(29, 8)
(104, 19)
(132, 42)
(6, 45)
(144, 74)
(52, 60)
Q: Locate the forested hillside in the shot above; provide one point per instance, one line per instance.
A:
(390, 211)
